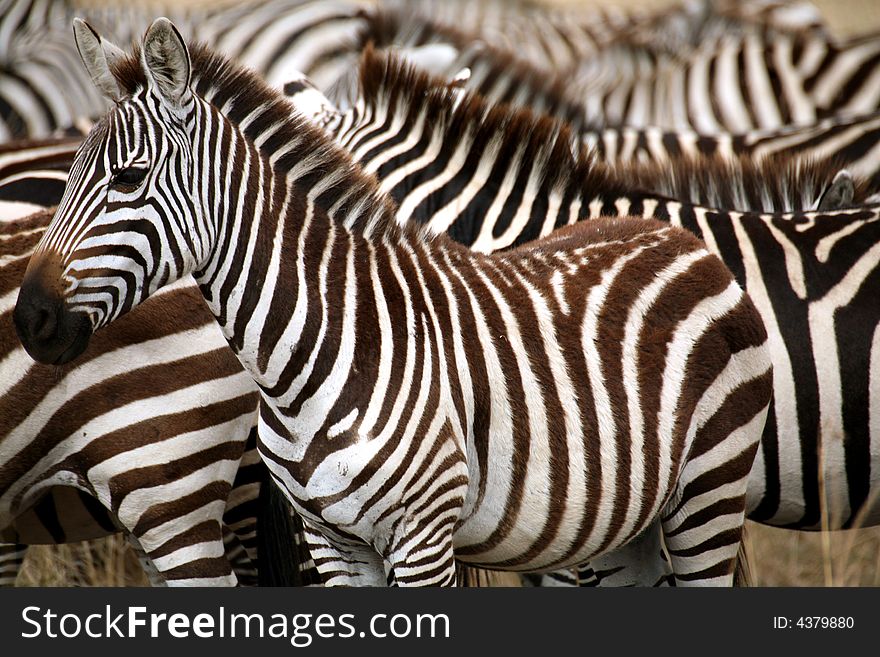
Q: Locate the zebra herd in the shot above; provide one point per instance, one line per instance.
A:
(544, 291)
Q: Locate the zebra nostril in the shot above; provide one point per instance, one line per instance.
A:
(43, 322)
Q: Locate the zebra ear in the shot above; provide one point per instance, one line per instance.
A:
(839, 193)
(166, 61)
(97, 56)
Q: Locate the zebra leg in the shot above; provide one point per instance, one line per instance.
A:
(342, 563)
(580, 576)
(243, 565)
(11, 559)
(641, 562)
(189, 553)
(254, 501)
(284, 558)
(703, 520)
(422, 556)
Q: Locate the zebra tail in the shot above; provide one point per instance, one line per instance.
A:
(282, 554)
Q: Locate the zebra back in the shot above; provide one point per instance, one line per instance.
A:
(852, 140)
(778, 183)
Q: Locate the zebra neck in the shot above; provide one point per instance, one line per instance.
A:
(306, 301)
(280, 238)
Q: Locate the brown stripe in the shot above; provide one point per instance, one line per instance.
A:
(140, 384)
(366, 474)
(516, 398)
(147, 322)
(319, 233)
(476, 366)
(205, 531)
(200, 568)
(159, 514)
(533, 340)
(705, 278)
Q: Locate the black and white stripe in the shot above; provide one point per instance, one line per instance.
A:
(607, 197)
(741, 85)
(11, 560)
(171, 511)
(40, 91)
(496, 177)
(332, 425)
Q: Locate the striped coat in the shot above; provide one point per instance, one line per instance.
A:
(395, 471)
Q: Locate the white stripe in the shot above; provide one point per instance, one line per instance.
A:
(788, 441)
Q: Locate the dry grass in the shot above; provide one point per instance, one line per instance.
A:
(778, 557)
(783, 557)
(104, 562)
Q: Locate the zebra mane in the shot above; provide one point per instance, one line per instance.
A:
(777, 183)
(245, 98)
(551, 153)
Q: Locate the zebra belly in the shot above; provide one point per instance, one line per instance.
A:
(541, 519)
(536, 542)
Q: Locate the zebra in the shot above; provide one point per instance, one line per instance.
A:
(560, 39)
(52, 440)
(851, 140)
(380, 78)
(40, 92)
(520, 180)
(369, 152)
(684, 28)
(797, 78)
(743, 84)
(442, 154)
(172, 507)
(413, 531)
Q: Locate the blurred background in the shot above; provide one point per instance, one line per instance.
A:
(778, 557)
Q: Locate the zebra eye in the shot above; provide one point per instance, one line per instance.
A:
(128, 178)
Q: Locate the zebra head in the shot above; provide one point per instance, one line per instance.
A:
(126, 224)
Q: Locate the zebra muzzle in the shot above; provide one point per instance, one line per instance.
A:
(47, 330)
